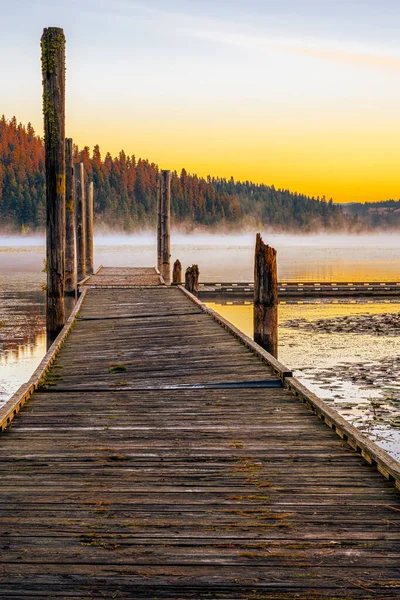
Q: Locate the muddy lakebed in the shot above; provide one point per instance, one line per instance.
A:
(360, 349)
(347, 351)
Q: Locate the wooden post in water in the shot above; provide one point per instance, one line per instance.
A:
(79, 175)
(177, 272)
(159, 225)
(265, 297)
(70, 272)
(192, 280)
(89, 228)
(53, 77)
(165, 214)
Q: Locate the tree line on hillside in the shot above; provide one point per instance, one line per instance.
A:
(126, 188)
(376, 215)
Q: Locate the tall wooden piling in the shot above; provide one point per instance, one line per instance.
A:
(159, 225)
(89, 228)
(265, 297)
(53, 77)
(192, 280)
(164, 225)
(79, 176)
(70, 271)
(177, 272)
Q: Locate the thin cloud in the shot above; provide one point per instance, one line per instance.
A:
(258, 43)
(231, 33)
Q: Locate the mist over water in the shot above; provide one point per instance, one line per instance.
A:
(220, 257)
(222, 239)
(229, 257)
(201, 238)
(20, 242)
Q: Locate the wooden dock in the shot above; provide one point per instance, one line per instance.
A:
(117, 277)
(302, 289)
(161, 454)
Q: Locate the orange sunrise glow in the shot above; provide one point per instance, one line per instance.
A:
(306, 101)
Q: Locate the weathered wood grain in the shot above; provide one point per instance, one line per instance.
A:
(53, 78)
(192, 280)
(123, 277)
(89, 246)
(177, 272)
(119, 482)
(80, 215)
(265, 302)
(164, 225)
(70, 270)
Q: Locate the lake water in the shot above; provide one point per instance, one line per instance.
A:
(346, 351)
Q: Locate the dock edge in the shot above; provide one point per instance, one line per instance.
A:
(12, 407)
(375, 456)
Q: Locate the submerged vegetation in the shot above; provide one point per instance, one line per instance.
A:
(125, 194)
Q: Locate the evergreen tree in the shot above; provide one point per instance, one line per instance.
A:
(125, 191)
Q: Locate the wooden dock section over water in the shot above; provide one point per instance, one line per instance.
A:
(303, 289)
(162, 455)
(117, 277)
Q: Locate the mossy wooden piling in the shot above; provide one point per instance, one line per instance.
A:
(80, 204)
(53, 78)
(265, 297)
(70, 267)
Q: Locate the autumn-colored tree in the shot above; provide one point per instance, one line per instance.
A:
(125, 191)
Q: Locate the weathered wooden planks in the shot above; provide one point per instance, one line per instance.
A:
(123, 277)
(117, 482)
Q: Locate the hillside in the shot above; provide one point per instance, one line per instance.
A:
(384, 215)
(125, 193)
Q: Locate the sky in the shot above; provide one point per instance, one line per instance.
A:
(300, 94)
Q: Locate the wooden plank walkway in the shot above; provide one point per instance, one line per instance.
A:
(162, 459)
(123, 277)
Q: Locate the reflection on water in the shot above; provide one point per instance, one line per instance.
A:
(22, 338)
(342, 353)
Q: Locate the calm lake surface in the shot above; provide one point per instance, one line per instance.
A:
(347, 351)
